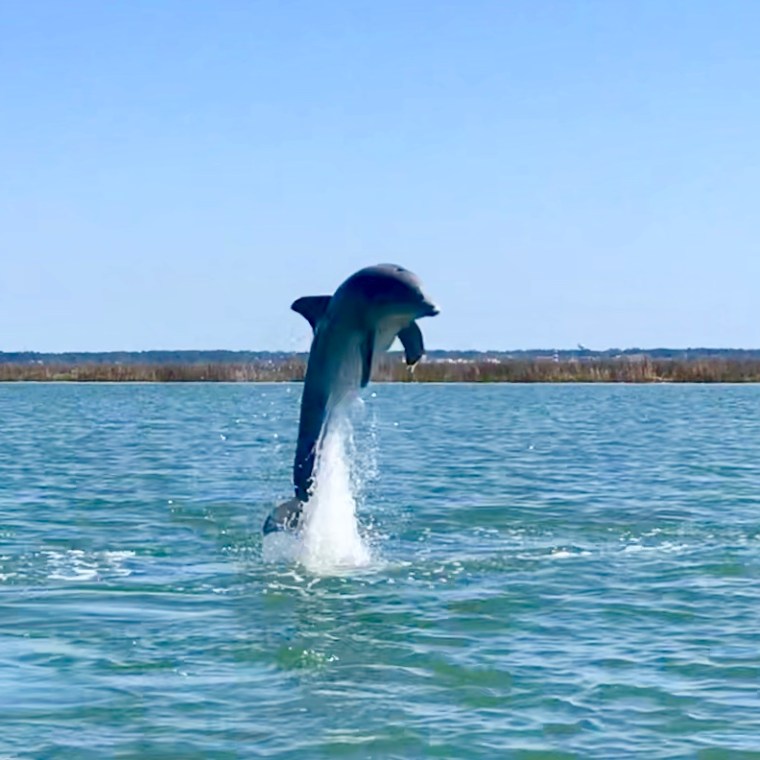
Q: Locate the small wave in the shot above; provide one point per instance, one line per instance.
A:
(565, 553)
(78, 565)
(666, 547)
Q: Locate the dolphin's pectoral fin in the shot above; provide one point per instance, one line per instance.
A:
(367, 348)
(286, 516)
(312, 307)
(411, 340)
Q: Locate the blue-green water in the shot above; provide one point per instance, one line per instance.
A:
(555, 571)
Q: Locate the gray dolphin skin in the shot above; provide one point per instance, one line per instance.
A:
(351, 327)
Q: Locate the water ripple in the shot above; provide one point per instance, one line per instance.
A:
(556, 572)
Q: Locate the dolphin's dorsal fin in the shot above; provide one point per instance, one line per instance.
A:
(367, 348)
(312, 307)
(411, 340)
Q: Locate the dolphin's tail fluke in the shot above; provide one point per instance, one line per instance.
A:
(286, 516)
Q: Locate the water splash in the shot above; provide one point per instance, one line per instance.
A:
(331, 537)
(329, 541)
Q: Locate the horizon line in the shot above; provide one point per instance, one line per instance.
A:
(578, 349)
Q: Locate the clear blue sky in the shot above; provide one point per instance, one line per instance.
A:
(173, 174)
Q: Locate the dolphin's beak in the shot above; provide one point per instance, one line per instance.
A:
(429, 309)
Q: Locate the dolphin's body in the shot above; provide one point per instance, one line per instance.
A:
(351, 328)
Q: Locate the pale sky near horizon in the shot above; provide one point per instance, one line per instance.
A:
(175, 173)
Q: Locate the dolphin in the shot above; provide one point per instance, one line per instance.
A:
(351, 327)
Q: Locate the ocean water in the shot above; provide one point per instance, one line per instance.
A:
(493, 571)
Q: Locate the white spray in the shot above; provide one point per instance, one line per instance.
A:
(329, 540)
(330, 533)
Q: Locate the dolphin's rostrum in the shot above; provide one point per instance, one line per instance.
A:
(351, 327)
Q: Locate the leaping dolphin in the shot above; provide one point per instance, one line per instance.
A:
(351, 327)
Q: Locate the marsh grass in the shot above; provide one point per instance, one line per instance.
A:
(391, 368)
(267, 371)
(573, 371)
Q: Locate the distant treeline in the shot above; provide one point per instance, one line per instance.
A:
(205, 358)
(633, 368)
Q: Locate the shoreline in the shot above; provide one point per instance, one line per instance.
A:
(392, 369)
